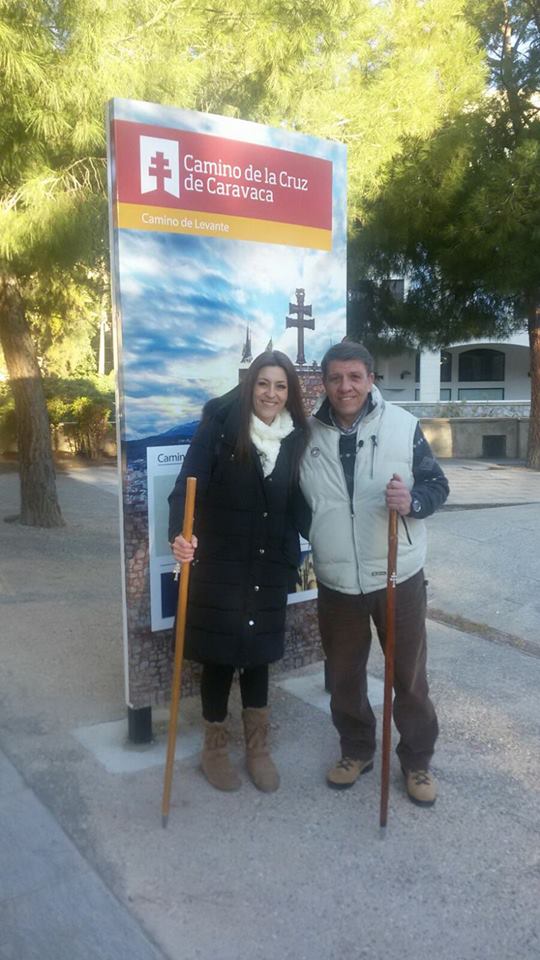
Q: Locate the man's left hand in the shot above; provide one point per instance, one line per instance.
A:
(398, 496)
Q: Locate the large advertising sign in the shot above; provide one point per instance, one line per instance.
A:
(226, 236)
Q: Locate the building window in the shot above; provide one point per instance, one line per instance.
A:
(445, 394)
(446, 367)
(481, 365)
(481, 393)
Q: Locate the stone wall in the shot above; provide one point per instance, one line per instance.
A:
(467, 408)
(470, 438)
(471, 430)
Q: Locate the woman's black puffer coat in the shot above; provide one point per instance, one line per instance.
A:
(248, 548)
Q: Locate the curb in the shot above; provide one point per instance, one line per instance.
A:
(483, 631)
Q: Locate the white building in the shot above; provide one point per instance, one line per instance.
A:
(479, 370)
(473, 398)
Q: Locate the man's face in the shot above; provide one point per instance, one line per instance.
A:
(347, 384)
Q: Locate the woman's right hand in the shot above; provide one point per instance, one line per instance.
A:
(184, 551)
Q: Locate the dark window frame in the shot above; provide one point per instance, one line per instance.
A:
(446, 366)
(482, 365)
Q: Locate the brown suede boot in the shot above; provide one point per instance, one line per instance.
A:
(215, 760)
(259, 763)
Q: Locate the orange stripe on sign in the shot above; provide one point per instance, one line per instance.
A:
(134, 216)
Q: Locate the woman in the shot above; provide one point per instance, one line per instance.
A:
(245, 551)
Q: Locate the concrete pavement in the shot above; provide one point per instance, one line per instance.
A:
(86, 869)
(484, 564)
(53, 904)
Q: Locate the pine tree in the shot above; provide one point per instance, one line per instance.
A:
(367, 73)
(460, 211)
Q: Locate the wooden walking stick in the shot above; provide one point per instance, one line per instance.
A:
(180, 632)
(389, 662)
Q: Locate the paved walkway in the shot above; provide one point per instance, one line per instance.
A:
(86, 869)
(53, 904)
(490, 483)
(484, 564)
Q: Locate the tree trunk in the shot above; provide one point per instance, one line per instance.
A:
(39, 502)
(533, 454)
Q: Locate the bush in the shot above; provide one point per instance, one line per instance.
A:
(87, 432)
(82, 405)
(8, 425)
(58, 411)
(100, 389)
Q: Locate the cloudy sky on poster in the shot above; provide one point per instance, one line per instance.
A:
(186, 300)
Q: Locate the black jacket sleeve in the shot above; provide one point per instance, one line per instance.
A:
(430, 488)
(198, 463)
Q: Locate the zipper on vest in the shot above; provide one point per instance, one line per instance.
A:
(373, 439)
(359, 446)
(407, 531)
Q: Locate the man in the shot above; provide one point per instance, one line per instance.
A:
(365, 457)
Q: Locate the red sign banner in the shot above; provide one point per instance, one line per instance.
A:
(186, 171)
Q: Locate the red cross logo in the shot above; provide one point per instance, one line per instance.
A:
(160, 169)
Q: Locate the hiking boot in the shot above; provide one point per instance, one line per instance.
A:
(346, 772)
(421, 787)
(215, 761)
(260, 765)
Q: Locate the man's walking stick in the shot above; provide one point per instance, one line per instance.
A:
(389, 662)
(180, 632)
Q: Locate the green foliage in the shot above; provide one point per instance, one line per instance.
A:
(402, 70)
(5, 390)
(87, 432)
(370, 74)
(58, 410)
(82, 406)
(8, 424)
(68, 390)
(65, 309)
(460, 212)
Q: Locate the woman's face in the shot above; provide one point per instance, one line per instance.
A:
(270, 393)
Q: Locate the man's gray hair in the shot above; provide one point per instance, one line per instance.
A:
(347, 350)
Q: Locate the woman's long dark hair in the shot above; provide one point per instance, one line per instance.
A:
(272, 358)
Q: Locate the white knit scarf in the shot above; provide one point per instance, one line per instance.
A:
(267, 437)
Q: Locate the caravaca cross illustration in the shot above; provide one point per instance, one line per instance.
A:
(303, 311)
(160, 169)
